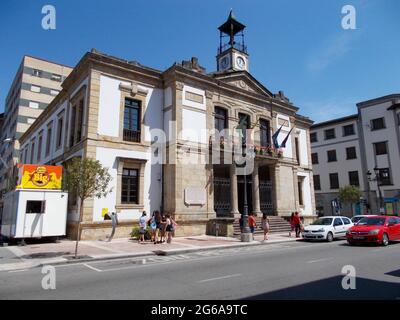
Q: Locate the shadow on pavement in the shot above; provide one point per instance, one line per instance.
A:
(331, 288)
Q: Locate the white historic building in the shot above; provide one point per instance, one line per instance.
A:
(363, 150)
(117, 112)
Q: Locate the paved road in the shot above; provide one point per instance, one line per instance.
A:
(297, 270)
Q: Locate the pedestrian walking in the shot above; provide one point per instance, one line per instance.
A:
(157, 219)
(297, 224)
(163, 226)
(291, 221)
(153, 226)
(252, 224)
(265, 226)
(142, 227)
(170, 228)
(114, 222)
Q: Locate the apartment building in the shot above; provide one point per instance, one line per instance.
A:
(155, 130)
(35, 85)
(361, 150)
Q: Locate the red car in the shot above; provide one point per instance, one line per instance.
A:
(375, 229)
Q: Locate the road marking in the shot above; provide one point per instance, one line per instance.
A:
(319, 260)
(17, 270)
(220, 278)
(93, 268)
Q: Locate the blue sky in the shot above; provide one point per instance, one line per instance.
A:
(295, 46)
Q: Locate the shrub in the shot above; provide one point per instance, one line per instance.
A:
(135, 233)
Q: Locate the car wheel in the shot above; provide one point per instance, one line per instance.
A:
(329, 237)
(385, 240)
(351, 243)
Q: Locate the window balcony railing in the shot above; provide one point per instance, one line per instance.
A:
(131, 135)
(268, 150)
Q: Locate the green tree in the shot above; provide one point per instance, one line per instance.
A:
(85, 178)
(350, 194)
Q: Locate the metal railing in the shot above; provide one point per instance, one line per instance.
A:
(130, 135)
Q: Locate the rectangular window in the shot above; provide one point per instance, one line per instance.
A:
(32, 151)
(79, 122)
(54, 92)
(317, 182)
(314, 158)
(60, 130)
(351, 153)
(380, 148)
(40, 142)
(132, 120)
(377, 124)
(296, 143)
(36, 73)
(26, 155)
(34, 105)
(353, 178)
(72, 127)
(244, 123)
(384, 177)
(30, 120)
(334, 180)
(313, 137)
(300, 187)
(49, 138)
(348, 130)
(331, 155)
(35, 206)
(130, 183)
(35, 88)
(221, 119)
(330, 134)
(265, 133)
(56, 77)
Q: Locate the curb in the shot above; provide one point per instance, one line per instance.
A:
(146, 254)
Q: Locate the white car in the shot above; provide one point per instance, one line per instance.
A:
(327, 228)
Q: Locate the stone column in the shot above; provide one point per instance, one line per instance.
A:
(256, 190)
(276, 187)
(234, 191)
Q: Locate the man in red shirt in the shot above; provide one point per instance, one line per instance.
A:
(252, 224)
(297, 224)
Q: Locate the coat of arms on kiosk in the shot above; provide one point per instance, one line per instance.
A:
(32, 176)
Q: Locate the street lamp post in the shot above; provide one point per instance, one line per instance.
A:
(245, 235)
(378, 184)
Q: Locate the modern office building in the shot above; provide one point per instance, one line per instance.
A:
(362, 150)
(35, 85)
(155, 132)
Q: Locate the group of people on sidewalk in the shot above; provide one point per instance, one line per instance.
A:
(295, 224)
(162, 227)
(253, 224)
(295, 220)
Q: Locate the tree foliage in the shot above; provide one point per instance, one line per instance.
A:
(86, 178)
(349, 194)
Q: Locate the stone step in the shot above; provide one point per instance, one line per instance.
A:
(277, 224)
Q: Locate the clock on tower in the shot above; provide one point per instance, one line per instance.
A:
(232, 55)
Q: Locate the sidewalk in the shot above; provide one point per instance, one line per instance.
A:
(33, 255)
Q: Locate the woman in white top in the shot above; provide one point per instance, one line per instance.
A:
(265, 226)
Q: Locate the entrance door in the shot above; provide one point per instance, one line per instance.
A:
(241, 194)
(222, 191)
(33, 222)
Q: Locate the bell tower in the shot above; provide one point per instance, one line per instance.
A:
(232, 54)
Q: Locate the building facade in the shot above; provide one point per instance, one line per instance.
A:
(362, 150)
(35, 85)
(159, 133)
